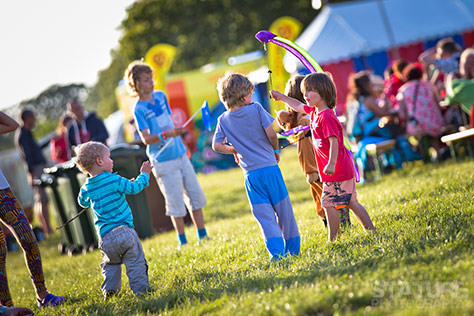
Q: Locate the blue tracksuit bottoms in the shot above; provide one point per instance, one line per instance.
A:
(271, 206)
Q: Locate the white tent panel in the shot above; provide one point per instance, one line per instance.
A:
(414, 20)
(353, 29)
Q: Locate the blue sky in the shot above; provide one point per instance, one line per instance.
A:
(45, 42)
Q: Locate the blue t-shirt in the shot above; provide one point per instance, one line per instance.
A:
(245, 130)
(154, 115)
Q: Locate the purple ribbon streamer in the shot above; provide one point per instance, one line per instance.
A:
(298, 55)
(295, 130)
(355, 166)
(267, 36)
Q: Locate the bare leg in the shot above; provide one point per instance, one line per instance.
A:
(333, 219)
(362, 215)
(198, 218)
(42, 212)
(29, 213)
(178, 223)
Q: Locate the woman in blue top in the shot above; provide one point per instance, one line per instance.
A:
(172, 169)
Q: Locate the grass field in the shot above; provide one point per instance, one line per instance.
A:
(420, 261)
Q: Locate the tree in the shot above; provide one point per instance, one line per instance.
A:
(203, 31)
(49, 105)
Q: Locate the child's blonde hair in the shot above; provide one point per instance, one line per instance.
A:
(323, 84)
(87, 153)
(232, 88)
(132, 74)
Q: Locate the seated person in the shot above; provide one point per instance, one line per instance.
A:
(444, 56)
(394, 81)
(369, 121)
(461, 90)
(419, 109)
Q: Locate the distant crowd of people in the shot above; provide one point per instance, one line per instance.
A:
(75, 127)
(412, 101)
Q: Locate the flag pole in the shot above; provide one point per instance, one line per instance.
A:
(184, 125)
(194, 115)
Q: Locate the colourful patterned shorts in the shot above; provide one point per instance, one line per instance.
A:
(338, 193)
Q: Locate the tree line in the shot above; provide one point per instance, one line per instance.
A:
(204, 31)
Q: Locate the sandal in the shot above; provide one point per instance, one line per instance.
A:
(51, 300)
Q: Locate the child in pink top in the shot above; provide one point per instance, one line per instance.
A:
(335, 165)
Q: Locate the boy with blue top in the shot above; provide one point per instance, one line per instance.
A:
(118, 241)
(165, 149)
(245, 130)
(156, 117)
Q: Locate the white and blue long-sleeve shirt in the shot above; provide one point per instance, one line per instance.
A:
(105, 193)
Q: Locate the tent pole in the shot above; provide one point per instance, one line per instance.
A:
(388, 28)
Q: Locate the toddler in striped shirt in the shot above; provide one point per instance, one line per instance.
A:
(105, 193)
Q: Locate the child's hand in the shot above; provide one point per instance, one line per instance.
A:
(234, 152)
(329, 169)
(175, 132)
(312, 177)
(276, 95)
(146, 167)
(277, 157)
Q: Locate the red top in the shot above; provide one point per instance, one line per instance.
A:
(59, 149)
(391, 86)
(324, 125)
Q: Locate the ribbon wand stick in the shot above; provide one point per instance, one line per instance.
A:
(72, 218)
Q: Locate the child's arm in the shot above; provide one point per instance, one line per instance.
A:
(333, 150)
(428, 57)
(149, 139)
(7, 124)
(127, 186)
(273, 138)
(83, 200)
(225, 149)
(293, 103)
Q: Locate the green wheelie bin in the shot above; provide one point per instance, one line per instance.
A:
(50, 183)
(69, 180)
(127, 162)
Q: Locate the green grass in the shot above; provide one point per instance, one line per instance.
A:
(420, 261)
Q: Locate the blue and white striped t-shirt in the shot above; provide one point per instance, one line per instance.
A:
(105, 193)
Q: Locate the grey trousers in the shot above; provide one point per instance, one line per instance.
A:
(122, 246)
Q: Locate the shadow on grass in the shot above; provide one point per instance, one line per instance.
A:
(232, 204)
(338, 263)
(406, 240)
